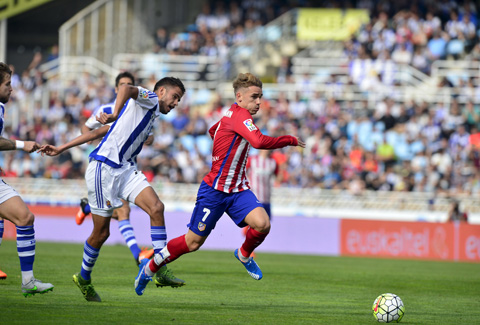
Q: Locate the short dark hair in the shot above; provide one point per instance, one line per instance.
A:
(4, 71)
(124, 74)
(170, 81)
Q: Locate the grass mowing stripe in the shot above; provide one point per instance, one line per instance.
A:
(296, 289)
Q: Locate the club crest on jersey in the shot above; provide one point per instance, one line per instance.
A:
(109, 205)
(201, 226)
(144, 93)
(249, 124)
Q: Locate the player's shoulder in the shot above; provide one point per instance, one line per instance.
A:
(237, 112)
(105, 108)
(144, 93)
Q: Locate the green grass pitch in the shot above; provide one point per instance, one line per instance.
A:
(296, 289)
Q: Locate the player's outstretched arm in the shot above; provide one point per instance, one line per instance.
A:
(50, 150)
(245, 126)
(125, 92)
(84, 129)
(27, 146)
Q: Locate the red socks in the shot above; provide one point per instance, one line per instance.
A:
(176, 247)
(253, 240)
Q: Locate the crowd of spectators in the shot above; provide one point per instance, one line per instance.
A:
(392, 146)
(415, 34)
(387, 146)
(220, 25)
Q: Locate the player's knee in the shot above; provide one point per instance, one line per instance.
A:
(101, 235)
(126, 211)
(264, 229)
(263, 226)
(194, 246)
(194, 242)
(122, 214)
(158, 209)
(26, 219)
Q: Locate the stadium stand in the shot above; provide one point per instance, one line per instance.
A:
(391, 114)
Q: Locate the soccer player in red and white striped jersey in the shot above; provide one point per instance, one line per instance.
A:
(262, 168)
(225, 189)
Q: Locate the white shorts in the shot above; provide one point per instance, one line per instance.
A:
(107, 185)
(6, 192)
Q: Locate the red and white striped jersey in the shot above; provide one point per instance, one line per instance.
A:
(260, 174)
(232, 137)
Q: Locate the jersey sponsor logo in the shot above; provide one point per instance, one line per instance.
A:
(201, 226)
(144, 93)
(249, 124)
(215, 158)
(228, 113)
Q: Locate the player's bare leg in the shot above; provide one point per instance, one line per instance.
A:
(3, 275)
(15, 210)
(175, 248)
(122, 214)
(149, 201)
(100, 233)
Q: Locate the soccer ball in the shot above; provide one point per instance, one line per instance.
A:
(388, 308)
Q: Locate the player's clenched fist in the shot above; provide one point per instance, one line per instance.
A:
(105, 118)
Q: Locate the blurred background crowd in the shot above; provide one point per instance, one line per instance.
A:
(387, 146)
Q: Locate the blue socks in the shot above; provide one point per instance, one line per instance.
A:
(1, 230)
(86, 209)
(90, 256)
(26, 251)
(159, 238)
(126, 230)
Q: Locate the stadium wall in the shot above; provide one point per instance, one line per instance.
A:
(294, 235)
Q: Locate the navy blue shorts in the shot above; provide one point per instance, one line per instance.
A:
(266, 206)
(212, 204)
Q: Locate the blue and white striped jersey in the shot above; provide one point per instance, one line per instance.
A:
(127, 134)
(2, 118)
(92, 122)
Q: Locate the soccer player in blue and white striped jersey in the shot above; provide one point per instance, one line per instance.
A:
(122, 214)
(112, 174)
(12, 206)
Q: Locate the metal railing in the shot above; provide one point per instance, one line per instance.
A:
(352, 93)
(456, 69)
(320, 68)
(108, 27)
(196, 71)
(69, 192)
(102, 29)
(264, 46)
